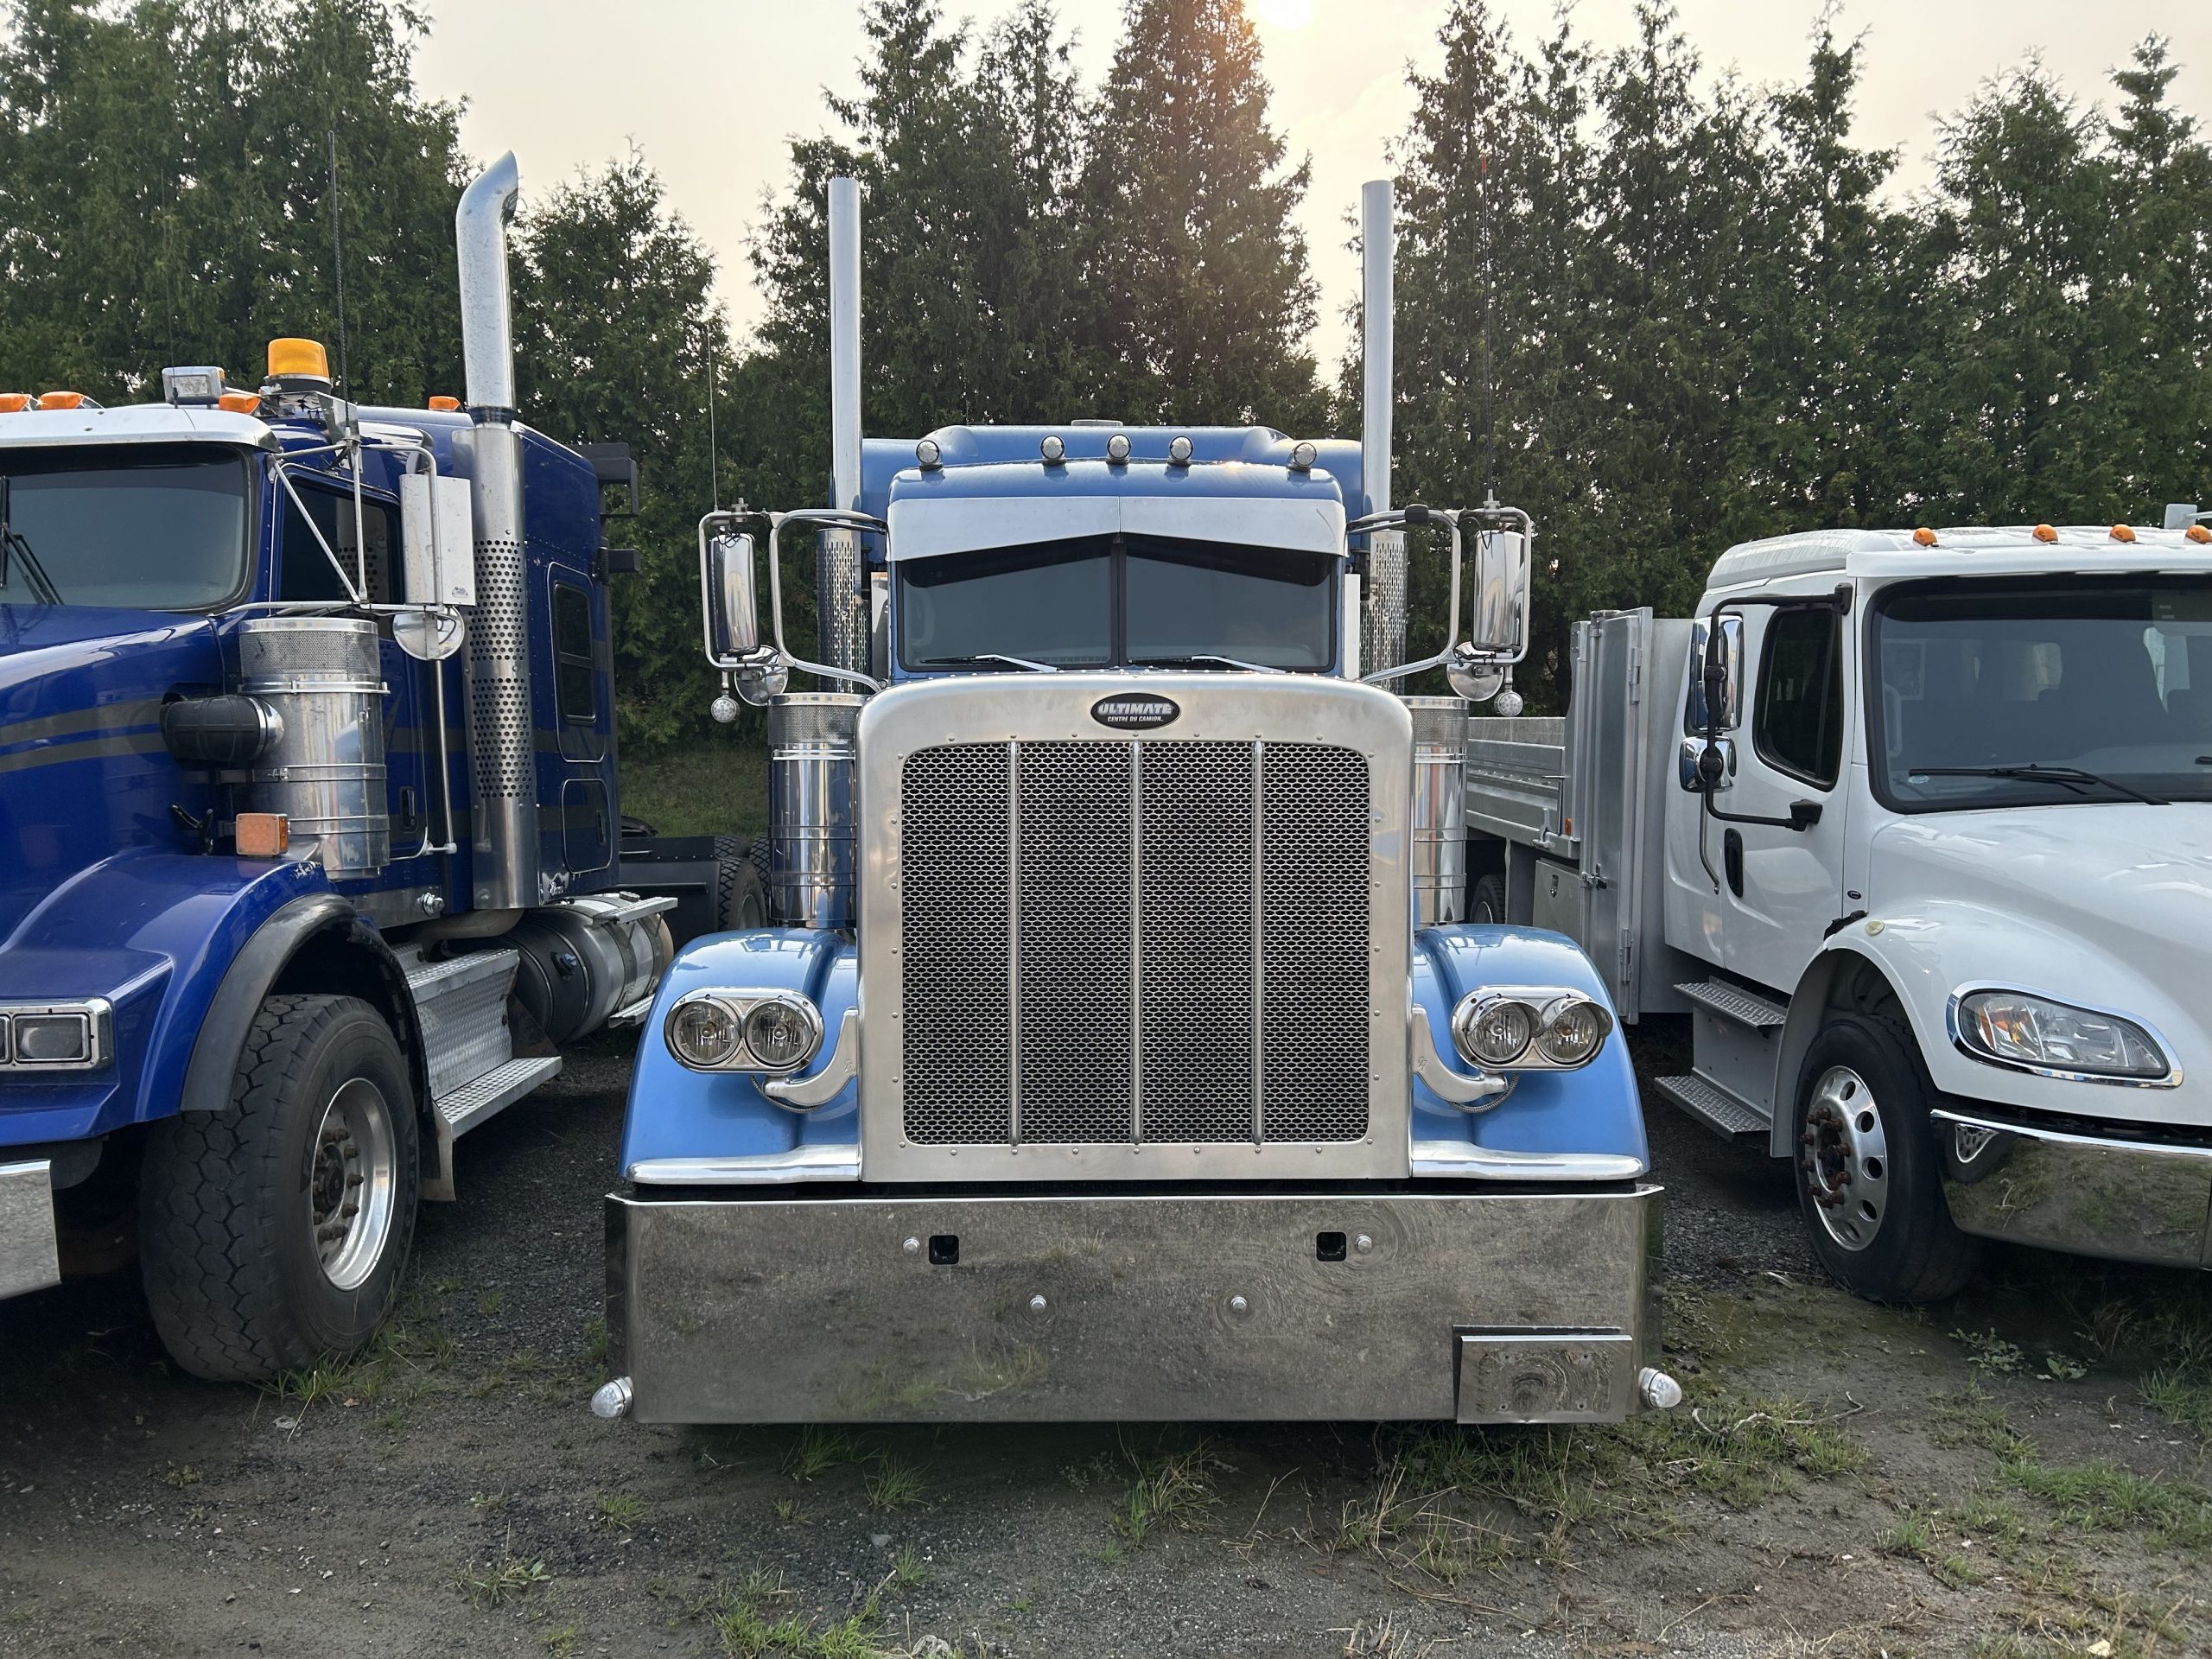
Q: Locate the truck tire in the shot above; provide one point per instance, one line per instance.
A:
(1869, 1173)
(1487, 904)
(274, 1232)
(740, 891)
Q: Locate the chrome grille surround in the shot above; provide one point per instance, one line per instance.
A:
(1103, 954)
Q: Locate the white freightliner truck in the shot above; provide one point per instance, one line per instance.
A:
(1915, 825)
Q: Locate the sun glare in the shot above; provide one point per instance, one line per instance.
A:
(1285, 14)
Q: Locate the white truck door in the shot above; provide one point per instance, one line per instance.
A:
(1781, 887)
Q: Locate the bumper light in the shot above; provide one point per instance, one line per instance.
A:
(1530, 1029)
(2033, 1034)
(773, 1032)
(56, 1036)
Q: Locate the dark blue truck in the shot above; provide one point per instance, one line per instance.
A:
(310, 858)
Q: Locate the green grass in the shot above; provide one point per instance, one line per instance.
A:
(503, 1581)
(719, 787)
(2104, 1497)
(620, 1512)
(1168, 1489)
(893, 1483)
(754, 1625)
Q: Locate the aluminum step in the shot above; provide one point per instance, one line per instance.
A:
(1725, 1114)
(462, 1003)
(1735, 1004)
(474, 1103)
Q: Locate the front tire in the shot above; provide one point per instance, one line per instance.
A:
(1487, 906)
(1869, 1174)
(740, 889)
(275, 1232)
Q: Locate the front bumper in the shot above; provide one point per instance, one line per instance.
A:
(783, 1306)
(29, 1254)
(2126, 1200)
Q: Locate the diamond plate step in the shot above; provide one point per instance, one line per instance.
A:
(1714, 1107)
(1735, 1004)
(469, 1106)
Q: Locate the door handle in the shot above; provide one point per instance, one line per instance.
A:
(1731, 859)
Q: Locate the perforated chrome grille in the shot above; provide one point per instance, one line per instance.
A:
(498, 650)
(1119, 943)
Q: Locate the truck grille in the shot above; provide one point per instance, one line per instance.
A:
(1134, 942)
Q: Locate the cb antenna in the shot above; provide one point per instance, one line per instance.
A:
(1489, 363)
(714, 451)
(338, 260)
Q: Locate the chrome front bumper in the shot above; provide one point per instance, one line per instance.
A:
(2128, 1200)
(1485, 1306)
(29, 1258)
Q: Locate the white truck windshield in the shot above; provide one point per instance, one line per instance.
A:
(1108, 601)
(158, 527)
(1996, 693)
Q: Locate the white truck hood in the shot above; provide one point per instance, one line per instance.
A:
(2106, 904)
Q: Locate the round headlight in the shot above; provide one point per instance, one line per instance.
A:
(779, 1036)
(1498, 1032)
(1573, 1031)
(702, 1034)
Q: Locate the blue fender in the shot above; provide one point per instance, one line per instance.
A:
(154, 932)
(678, 1113)
(1595, 1108)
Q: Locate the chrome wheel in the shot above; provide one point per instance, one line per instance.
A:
(1845, 1157)
(351, 1184)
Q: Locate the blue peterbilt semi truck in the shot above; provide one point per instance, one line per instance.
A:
(309, 853)
(1118, 1050)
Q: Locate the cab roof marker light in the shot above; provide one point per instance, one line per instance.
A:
(15, 403)
(1924, 537)
(2198, 534)
(1053, 449)
(239, 402)
(1302, 457)
(65, 400)
(445, 405)
(1117, 448)
(2045, 533)
(1179, 452)
(2123, 533)
(928, 456)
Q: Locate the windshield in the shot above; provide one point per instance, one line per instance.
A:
(1106, 601)
(157, 527)
(2035, 693)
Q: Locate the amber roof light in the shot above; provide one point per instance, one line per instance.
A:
(445, 405)
(1924, 536)
(2122, 533)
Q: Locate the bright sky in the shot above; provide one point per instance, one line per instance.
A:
(711, 93)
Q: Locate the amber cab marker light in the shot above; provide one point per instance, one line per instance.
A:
(263, 834)
(2045, 533)
(1924, 536)
(2122, 533)
(239, 402)
(2198, 534)
(445, 405)
(61, 400)
(14, 402)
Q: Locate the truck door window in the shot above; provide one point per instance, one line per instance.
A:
(574, 676)
(1798, 724)
(153, 527)
(306, 574)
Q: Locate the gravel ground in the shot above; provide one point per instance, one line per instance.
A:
(459, 1500)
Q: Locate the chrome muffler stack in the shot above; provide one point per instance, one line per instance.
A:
(323, 764)
(813, 808)
(1439, 816)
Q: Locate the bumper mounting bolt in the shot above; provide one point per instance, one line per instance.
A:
(912, 1246)
(1239, 1307)
(1363, 1244)
(1037, 1304)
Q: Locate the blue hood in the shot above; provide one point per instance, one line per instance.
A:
(83, 772)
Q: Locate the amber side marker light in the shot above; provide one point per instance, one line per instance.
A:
(2198, 534)
(61, 400)
(14, 402)
(263, 834)
(1924, 536)
(2045, 533)
(445, 405)
(2122, 533)
(239, 402)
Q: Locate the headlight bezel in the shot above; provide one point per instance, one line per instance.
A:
(738, 1006)
(1962, 1017)
(96, 1020)
(1544, 1004)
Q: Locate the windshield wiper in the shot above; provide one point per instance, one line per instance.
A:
(43, 588)
(1205, 657)
(2072, 777)
(975, 658)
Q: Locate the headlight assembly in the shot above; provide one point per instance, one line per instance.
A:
(2034, 1034)
(56, 1036)
(1530, 1029)
(775, 1032)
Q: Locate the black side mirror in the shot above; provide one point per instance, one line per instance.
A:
(619, 561)
(616, 468)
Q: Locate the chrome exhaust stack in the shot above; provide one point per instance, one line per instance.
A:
(844, 637)
(1382, 628)
(501, 745)
(813, 808)
(1439, 817)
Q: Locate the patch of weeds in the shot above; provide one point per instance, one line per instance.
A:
(1987, 1352)
(392, 1420)
(491, 1302)
(2182, 1397)
(907, 1570)
(1960, 1573)
(179, 1475)
(620, 1511)
(1973, 1418)
(447, 1286)
(1168, 1489)
(1990, 1516)
(1367, 1521)
(893, 1483)
(560, 1641)
(503, 1581)
(754, 1625)
(488, 1503)
(1912, 1536)
(788, 1512)
(595, 1340)
(821, 1450)
(2063, 1367)
(1021, 1604)
(1742, 1453)
(2102, 1496)
(310, 1386)
(1084, 1476)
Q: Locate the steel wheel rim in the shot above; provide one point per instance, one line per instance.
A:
(1845, 1156)
(353, 1177)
